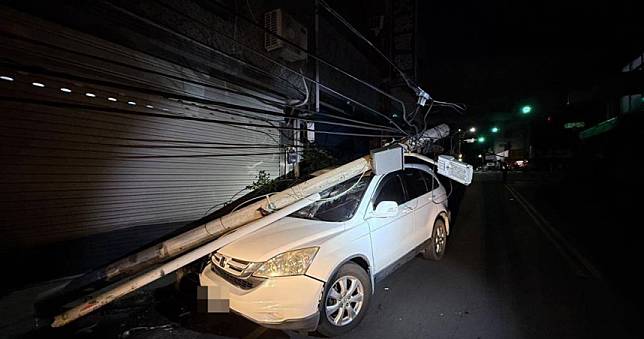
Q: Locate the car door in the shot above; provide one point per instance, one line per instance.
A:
(420, 198)
(435, 198)
(390, 237)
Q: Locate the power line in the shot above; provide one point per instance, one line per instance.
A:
(158, 65)
(292, 44)
(177, 117)
(191, 81)
(197, 42)
(256, 110)
(192, 100)
(221, 146)
(413, 86)
(363, 38)
(148, 21)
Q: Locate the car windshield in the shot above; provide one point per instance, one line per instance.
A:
(342, 208)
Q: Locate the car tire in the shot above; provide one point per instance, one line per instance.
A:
(356, 295)
(436, 246)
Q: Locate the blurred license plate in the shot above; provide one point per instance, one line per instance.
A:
(213, 299)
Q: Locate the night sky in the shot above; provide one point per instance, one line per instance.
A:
(491, 53)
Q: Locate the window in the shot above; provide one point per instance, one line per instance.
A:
(341, 208)
(414, 182)
(432, 182)
(390, 190)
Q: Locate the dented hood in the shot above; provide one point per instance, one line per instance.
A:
(283, 235)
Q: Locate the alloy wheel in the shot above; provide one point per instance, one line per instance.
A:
(439, 242)
(344, 300)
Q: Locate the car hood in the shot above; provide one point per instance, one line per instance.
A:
(283, 235)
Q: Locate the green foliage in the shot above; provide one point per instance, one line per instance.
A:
(314, 159)
(263, 182)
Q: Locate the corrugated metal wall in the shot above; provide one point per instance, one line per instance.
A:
(70, 172)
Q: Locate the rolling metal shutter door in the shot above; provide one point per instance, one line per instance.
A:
(69, 173)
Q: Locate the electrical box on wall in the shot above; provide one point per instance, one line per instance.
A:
(283, 25)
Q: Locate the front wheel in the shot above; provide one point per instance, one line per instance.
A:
(345, 300)
(436, 247)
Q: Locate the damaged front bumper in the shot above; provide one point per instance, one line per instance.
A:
(287, 303)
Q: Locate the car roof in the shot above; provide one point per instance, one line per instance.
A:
(423, 167)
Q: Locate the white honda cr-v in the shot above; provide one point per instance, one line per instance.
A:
(317, 267)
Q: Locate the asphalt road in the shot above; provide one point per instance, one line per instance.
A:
(508, 273)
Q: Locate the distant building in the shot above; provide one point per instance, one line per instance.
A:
(633, 101)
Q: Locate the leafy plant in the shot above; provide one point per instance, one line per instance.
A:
(314, 159)
(263, 182)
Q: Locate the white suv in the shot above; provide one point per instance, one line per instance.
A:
(317, 267)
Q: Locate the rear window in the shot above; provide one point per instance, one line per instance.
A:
(414, 182)
(432, 182)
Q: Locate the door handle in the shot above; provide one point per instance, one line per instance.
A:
(407, 209)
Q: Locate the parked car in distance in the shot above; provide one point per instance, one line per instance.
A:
(316, 269)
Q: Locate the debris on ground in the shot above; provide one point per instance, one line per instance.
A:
(133, 330)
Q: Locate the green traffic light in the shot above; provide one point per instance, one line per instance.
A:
(526, 109)
(495, 129)
(481, 139)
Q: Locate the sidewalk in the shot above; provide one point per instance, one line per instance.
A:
(16, 308)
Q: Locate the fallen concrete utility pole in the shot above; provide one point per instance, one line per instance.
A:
(202, 234)
(102, 298)
(211, 230)
(205, 234)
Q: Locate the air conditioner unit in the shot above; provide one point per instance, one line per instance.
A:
(283, 25)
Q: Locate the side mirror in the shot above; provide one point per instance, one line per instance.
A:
(386, 209)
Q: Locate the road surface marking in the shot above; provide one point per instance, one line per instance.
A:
(567, 250)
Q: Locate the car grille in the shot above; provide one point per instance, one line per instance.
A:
(232, 270)
(245, 284)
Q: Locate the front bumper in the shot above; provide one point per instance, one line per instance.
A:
(283, 302)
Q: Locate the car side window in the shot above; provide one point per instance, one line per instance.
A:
(390, 190)
(415, 183)
(432, 182)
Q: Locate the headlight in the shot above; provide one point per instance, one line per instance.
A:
(288, 263)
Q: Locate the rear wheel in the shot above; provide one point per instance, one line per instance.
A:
(345, 300)
(436, 247)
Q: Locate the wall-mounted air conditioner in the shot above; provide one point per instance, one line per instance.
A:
(282, 24)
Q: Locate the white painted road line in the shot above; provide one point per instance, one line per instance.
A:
(575, 259)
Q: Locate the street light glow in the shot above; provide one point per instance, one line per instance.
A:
(481, 139)
(473, 129)
(526, 109)
(495, 129)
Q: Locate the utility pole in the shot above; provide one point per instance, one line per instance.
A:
(193, 240)
(317, 62)
(296, 144)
